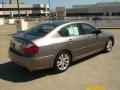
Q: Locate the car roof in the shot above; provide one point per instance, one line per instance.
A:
(60, 22)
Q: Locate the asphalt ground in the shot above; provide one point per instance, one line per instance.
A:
(100, 71)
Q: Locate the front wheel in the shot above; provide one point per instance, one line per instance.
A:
(109, 45)
(62, 61)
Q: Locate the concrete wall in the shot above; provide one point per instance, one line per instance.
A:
(1, 21)
(105, 23)
(98, 23)
(91, 17)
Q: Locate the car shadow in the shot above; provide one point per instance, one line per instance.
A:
(14, 73)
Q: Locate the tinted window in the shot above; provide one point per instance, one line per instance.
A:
(63, 32)
(80, 29)
(88, 29)
(40, 30)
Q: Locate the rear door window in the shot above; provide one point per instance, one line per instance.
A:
(71, 30)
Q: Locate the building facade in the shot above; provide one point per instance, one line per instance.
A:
(11, 9)
(13, 1)
(60, 12)
(99, 9)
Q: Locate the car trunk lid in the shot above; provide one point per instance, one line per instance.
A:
(21, 41)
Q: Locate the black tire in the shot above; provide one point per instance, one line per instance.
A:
(108, 45)
(61, 66)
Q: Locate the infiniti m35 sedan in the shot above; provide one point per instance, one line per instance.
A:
(56, 44)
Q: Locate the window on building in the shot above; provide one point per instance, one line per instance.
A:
(116, 14)
(107, 14)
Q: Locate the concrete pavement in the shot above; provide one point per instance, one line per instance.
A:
(99, 69)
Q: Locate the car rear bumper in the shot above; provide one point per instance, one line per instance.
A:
(32, 63)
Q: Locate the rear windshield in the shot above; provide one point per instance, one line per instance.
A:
(41, 29)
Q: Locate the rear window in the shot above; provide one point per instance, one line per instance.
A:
(41, 29)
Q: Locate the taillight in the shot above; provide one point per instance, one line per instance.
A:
(30, 49)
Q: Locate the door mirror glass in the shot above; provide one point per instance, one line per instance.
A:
(97, 32)
(99, 29)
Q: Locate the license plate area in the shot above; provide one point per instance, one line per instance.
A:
(16, 45)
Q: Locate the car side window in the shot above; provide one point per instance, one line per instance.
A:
(63, 32)
(71, 30)
(81, 32)
(88, 29)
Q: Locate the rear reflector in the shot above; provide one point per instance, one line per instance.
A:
(30, 49)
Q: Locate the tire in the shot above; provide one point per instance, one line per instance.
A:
(62, 61)
(109, 45)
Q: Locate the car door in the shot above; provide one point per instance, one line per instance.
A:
(95, 41)
(76, 41)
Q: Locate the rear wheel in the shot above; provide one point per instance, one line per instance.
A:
(109, 45)
(62, 61)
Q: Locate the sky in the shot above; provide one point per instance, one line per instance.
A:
(66, 3)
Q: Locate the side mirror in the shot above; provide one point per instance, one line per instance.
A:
(99, 29)
(97, 32)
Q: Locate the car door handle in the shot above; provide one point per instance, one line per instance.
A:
(70, 40)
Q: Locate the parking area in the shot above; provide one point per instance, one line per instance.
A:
(99, 69)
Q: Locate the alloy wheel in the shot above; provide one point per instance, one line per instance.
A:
(109, 45)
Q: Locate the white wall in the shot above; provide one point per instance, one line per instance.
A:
(1, 21)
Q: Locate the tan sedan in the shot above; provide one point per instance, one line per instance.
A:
(57, 44)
